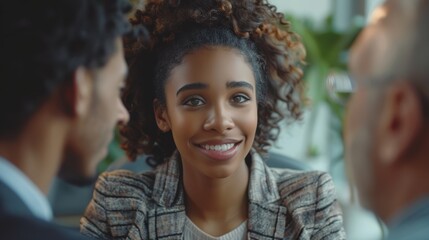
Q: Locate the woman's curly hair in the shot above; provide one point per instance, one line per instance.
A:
(254, 27)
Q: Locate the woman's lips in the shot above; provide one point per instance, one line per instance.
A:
(221, 151)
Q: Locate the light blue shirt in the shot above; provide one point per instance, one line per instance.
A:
(29, 193)
(412, 223)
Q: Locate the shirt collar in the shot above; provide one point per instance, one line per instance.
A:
(29, 193)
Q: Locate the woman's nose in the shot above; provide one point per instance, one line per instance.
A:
(219, 119)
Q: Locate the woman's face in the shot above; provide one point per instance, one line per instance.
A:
(211, 109)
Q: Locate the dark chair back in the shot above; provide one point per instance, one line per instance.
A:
(276, 160)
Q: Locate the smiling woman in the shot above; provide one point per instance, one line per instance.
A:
(211, 109)
(204, 99)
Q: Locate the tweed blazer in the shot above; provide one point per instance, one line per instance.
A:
(283, 204)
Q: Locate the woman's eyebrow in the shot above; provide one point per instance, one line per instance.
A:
(238, 84)
(230, 84)
(192, 86)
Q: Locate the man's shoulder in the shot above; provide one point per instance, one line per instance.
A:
(15, 227)
(412, 223)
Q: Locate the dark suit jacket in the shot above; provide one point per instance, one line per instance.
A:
(17, 222)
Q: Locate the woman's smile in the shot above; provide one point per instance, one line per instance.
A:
(219, 150)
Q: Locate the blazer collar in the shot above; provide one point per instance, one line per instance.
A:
(267, 216)
(168, 190)
(262, 183)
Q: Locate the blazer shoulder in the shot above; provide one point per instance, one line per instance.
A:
(303, 187)
(120, 182)
(287, 178)
(310, 198)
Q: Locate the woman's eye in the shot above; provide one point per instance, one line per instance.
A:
(193, 102)
(240, 98)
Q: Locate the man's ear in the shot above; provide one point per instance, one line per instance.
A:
(401, 122)
(78, 94)
(161, 116)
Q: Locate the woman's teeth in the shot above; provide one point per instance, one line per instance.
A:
(222, 147)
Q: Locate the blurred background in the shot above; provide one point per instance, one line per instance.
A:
(327, 28)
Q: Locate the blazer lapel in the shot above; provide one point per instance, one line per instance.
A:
(166, 223)
(167, 219)
(267, 216)
(11, 203)
(266, 221)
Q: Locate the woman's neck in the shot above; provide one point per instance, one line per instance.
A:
(217, 206)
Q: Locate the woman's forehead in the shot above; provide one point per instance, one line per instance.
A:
(211, 64)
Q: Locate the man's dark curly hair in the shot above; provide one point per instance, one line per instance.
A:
(44, 42)
(176, 28)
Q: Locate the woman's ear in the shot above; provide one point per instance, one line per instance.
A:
(161, 116)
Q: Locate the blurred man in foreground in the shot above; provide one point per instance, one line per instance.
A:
(62, 72)
(387, 124)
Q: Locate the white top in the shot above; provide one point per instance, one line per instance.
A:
(29, 193)
(191, 231)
